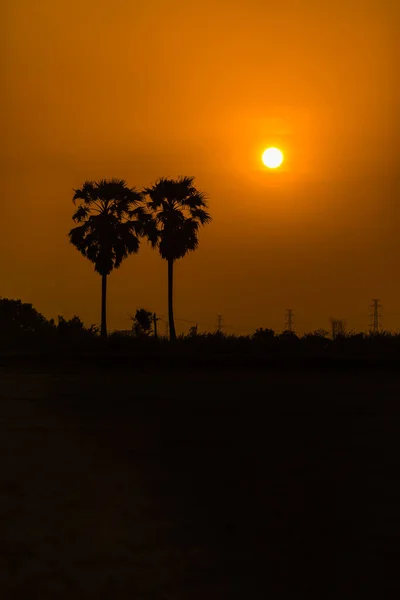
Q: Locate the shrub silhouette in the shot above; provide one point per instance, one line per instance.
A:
(18, 317)
(142, 323)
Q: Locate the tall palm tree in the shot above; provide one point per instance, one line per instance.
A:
(178, 209)
(111, 218)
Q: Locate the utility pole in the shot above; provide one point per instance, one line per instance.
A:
(219, 323)
(155, 325)
(289, 323)
(375, 316)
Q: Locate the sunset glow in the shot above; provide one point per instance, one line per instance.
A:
(204, 89)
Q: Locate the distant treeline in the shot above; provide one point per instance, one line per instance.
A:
(23, 330)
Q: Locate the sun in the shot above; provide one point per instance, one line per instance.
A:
(272, 158)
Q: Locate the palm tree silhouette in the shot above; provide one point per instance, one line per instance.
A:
(178, 209)
(112, 217)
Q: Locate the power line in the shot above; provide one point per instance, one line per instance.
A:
(240, 328)
(213, 324)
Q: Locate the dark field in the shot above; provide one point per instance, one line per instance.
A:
(190, 485)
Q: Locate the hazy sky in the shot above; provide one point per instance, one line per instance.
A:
(142, 89)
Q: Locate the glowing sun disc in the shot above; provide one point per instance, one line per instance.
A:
(272, 158)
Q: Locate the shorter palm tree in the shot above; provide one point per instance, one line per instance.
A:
(178, 209)
(111, 220)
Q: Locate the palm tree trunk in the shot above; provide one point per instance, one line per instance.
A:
(172, 333)
(103, 330)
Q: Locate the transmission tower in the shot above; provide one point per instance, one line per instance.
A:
(289, 323)
(219, 323)
(375, 316)
(338, 327)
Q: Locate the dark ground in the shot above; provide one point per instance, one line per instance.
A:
(186, 485)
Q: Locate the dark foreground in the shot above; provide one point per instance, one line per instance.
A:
(178, 485)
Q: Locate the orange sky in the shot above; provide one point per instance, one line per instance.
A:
(138, 90)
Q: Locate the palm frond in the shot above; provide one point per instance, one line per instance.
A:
(112, 218)
(77, 237)
(153, 206)
(194, 199)
(178, 209)
(200, 215)
(81, 213)
(186, 181)
(139, 213)
(136, 196)
(111, 189)
(85, 193)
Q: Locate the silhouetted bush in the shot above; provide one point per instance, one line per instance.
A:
(142, 323)
(263, 334)
(18, 317)
(75, 328)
